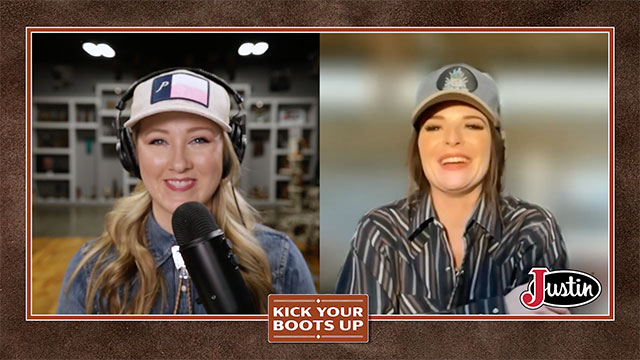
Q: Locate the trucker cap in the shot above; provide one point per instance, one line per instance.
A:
(459, 82)
(183, 91)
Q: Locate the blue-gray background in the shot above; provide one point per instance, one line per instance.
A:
(554, 96)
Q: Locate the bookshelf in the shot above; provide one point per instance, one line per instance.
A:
(74, 159)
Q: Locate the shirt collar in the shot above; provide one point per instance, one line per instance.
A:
(422, 214)
(487, 219)
(159, 241)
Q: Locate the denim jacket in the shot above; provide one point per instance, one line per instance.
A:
(289, 272)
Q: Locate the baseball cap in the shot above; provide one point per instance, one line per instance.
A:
(459, 82)
(183, 91)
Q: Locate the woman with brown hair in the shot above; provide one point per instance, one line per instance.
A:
(182, 144)
(455, 244)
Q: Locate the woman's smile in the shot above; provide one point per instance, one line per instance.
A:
(453, 162)
(180, 184)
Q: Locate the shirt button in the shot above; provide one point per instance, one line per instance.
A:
(448, 268)
(495, 310)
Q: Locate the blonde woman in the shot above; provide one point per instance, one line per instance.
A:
(178, 141)
(455, 244)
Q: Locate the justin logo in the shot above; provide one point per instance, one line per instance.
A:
(560, 288)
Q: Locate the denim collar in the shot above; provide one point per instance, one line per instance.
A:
(422, 213)
(159, 241)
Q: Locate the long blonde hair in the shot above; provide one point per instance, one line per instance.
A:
(121, 252)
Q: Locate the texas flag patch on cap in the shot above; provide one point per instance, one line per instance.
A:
(180, 86)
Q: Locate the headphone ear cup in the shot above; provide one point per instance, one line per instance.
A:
(238, 136)
(127, 153)
(122, 154)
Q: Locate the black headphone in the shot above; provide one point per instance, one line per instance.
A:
(125, 146)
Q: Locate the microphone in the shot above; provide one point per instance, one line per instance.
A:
(210, 261)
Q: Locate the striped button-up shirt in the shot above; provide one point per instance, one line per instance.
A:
(401, 257)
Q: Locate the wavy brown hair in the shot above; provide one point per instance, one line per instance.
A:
(492, 183)
(121, 253)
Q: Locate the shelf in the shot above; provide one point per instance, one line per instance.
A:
(51, 151)
(258, 126)
(258, 202)
(107, 139)
(60, 177)
(265, 202)
(287, 125)
(308, 152)
(82, 144)
(63, 100)
(64, 201)
(51, 201)
(284, 202)
(94, 201)
(287, 177)
(113, 113)
(50, 125)
(86, 126)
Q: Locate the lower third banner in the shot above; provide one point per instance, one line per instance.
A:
(324, 318)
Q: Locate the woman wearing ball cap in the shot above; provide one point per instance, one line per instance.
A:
(181, 149)
(455, 244)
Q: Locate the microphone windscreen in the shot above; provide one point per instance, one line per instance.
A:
(192, 220)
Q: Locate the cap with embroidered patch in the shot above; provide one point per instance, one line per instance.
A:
(183, 91)
(459, 82)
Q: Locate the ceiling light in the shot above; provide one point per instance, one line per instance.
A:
(98, 50)
(91, 49)
(245, 49)
(106, 50)
(260, 48)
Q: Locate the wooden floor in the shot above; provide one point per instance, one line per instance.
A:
(51, 255)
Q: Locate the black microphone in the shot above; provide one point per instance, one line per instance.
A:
(210, 261)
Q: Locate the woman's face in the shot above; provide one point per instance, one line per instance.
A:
(455, 148)
(180, 157)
